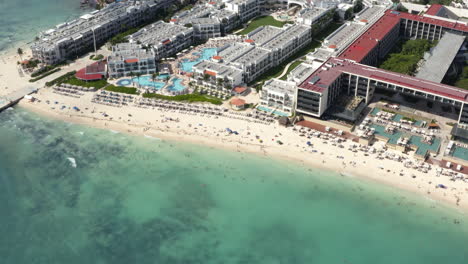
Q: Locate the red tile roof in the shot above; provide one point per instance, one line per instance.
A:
(249, 40)
(334, 67)
(240, 89)
(210, 73)
(217, 57)
(237, 102)
(369, 39)
(434, 21)
(434, 9)
(131, 60)
(81, 74)
(391, 19)
(166, 42)
(95, 71)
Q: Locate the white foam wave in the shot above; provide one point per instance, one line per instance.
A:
(72, 162)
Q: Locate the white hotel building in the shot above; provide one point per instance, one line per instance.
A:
(74, 38)
(264, 48)
(129, 58)
(279, 94)
(163, 38)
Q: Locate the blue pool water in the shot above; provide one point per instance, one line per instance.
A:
(147, 81)
(397, 118)
(460, 152)
(275, 112)
(423, 147)
(176, 85)
(375, 111)
(207, 53)
(124, 82)
(393, 138)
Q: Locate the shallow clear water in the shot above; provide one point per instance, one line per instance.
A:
(143, 200)
(22, 20)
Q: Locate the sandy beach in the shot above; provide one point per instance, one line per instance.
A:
(211, 130)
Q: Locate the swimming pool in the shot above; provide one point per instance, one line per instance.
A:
(424, 147)
(148, 81)
(124, 82)
(207, 53)
(460, 152)
(393, 138)
(268, 110)
(375, 111)
(177, 85)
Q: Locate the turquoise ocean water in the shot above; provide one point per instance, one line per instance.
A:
(22, 20)
(144, 200)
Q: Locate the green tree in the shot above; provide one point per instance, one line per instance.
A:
(132, 74)
(358, 6)
(20, 53)
(138, 74)
(153, 77)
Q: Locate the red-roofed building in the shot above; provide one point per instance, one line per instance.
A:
(378, 40)
(132, 60)
(251, 41)
(217, 58)
(239, 90)
(93, 72)
(338, 77)
(434, 9)
(211, 73)
(238, 103)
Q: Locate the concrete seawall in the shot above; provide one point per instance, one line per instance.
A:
(14, 97)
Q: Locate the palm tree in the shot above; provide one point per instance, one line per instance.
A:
(132, 74)
(153, 77)
(20, 52)
(138, 74)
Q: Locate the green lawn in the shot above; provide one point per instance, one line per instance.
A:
(96, 84)
(462, 81)
(195, 97)
(406, 55)
(261, 21)
(291, 67)
(327, 31)
(121, 89)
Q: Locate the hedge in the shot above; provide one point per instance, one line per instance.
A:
(121, 89)
(45, 75)
(61, 78)
(184, 97)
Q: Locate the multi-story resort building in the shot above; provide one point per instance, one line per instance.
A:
(165, 39)
(88, 32)
(341, 38)
(263, 49)
(245, 9)
(130, 58)
(350, 76)
(278, 94)
(312, 16)
(212, 19)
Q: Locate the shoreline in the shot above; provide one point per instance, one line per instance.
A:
(423, 184)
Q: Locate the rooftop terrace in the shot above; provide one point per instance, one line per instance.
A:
(263, 34)
(158, 33)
